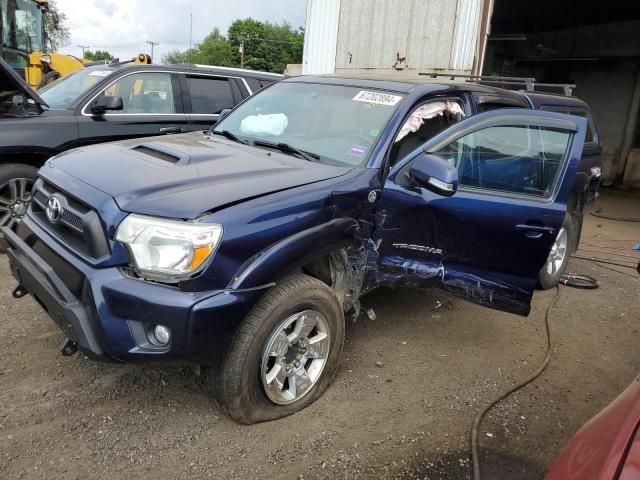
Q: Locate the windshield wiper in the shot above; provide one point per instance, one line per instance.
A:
(229, 135)
(285, 147)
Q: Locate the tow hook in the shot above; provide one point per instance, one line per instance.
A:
(68, 347)
(19, 292)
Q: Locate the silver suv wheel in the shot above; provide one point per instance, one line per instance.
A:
(295, 356)
(15, 196)
(558, 252)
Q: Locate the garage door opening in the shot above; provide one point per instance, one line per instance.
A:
(590, 43)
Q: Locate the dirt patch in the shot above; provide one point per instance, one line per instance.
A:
(441, 360)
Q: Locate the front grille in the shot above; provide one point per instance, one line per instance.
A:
(78, 224)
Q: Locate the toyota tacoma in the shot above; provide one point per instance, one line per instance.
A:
(243, 248)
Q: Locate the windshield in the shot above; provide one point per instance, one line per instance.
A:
(62, 92)
(21, 25)
(337, 123)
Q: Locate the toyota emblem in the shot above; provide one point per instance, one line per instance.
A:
(54, 210)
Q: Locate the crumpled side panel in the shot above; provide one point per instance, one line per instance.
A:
(513, 296)
(401, 272)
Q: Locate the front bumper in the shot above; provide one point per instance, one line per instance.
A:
(107, 314)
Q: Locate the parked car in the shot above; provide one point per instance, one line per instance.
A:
(105, 103)
(241, 249)
(608, 446)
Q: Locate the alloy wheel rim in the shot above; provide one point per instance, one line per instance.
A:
(294, 356)
(15, 197)
(558, 252)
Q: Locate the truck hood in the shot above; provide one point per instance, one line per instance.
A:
(12, 84)
(184, 176)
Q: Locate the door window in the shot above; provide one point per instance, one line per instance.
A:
(143, 93)
(424, 122)
(578, 112)
(523, 160)
(209, 96)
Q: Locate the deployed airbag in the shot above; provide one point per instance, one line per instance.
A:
(272, 124)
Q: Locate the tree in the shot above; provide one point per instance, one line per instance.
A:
(177, 56)
(55, 27)
(267, 47)
(215, 49)
(98, 55)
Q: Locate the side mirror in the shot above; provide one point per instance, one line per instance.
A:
(435, 174)
(104, 103)
(223, 114)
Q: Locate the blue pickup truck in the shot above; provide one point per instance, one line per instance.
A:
(243, 248)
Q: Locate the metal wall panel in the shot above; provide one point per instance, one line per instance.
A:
(372, 33)
(466, 35)
(405, 35)
(321, 35)
(431, 36)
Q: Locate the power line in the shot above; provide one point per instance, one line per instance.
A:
(153, 44)
(83, 47)
(190, 43)
(258, 39)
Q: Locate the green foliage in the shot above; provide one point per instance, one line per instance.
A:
(55, 27)
(267, 46)
(176, 56)
(98, 55)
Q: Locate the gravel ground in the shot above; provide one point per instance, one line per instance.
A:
(407, 390)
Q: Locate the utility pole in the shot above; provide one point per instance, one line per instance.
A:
(153, 44)
(83, 47)
(241, 50)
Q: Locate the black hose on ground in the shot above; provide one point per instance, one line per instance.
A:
(602, 260)
(476, 422)
(579, 281)
(596, 213)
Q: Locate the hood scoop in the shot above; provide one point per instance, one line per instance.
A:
(161, 152)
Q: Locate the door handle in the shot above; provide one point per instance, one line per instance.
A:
(535, 231)
(169, 130)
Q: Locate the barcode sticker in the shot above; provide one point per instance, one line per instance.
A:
(377, 98)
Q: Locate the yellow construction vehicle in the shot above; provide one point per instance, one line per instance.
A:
(24, 44)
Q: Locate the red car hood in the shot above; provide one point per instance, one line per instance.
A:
(606, 448)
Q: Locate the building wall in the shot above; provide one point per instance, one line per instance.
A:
(321, 36)
(609, 91)
(402, 37)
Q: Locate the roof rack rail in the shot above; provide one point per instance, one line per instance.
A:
(530, 84)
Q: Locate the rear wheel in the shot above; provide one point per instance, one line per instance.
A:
(16, 181)
(285, 353)
(556, 263)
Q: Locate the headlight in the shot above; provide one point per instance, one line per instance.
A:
(168, 249)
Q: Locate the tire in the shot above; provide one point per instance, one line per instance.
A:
(48, 78)
(240, 379)
(9, 172)
(551, 272)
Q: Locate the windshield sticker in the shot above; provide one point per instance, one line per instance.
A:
(357, 151)
(377, 98)
(100, 73)
(374, 132)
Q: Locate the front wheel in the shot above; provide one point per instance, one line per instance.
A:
(16, 181)
(284, 355)
(556, 263)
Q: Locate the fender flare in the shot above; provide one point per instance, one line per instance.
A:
(295, 251)
(35, 156)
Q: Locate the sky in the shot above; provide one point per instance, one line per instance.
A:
(123, 26)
